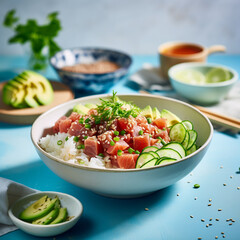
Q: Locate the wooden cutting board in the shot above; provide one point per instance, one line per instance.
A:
(25, 116)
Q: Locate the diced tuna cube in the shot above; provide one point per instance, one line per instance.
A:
(92, 147)
(120, 145)
(140, 142)
(127, 160)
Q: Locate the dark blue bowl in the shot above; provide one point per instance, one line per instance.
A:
(95, 83)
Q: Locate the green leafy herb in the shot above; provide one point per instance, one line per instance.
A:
(112, 108)
(40, 37)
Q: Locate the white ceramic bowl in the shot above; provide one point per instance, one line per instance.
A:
(125, 182)
(207, 94)
(73, 205)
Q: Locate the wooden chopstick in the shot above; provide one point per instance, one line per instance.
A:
(227, 122)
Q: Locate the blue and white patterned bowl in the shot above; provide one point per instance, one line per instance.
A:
(95, 83)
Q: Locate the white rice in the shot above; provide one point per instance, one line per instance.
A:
(68, 151)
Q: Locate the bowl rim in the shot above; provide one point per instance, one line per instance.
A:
(56, 159)
(76, 216)
(198, 64)
(119, 70)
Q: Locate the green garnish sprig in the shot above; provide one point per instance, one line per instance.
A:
(39, 36)
(112, 108)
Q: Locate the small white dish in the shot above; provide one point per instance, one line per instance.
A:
(73, 205)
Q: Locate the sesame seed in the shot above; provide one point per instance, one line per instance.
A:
(210, 219)
(216, 237)
(146, 209)
(207, 225)
(227, 220)
(224, 184)
(231, 177)
(177, 194)
(223, 236)
(210, 224)
(217, 219)
(202, 220)
(238, 188)
(230, 223)
(222, 232)
(209, 204)
(191, 216)
(221, 167)
(199, 238)
(219, 209)
(195, 198)
(233, 220)
(210, 200)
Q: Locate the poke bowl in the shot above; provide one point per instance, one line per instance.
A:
(179, 139)
(90, 69)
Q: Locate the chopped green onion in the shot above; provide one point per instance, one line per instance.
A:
(116, 139)
(59, 142)
(122, 132)
(112, 143)
(140, 132)
(85, 137)
(149, 120)
(101, 154)
(87, 120)
(81, 121)
(137, 152)
(196, 186)
(130, 150)
(119, 152)
(97, 121)
(76, 139)
(116, 133)
(66, 138)
(81, 146)
(150, 135)
(87, 125)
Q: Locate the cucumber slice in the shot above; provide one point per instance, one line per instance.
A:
(143, 158)
(150, 163)
(192, 149)
(154, 153)
(187, 124)
(150, 149)
(192, 138)
(169, 152)
(186, 140)
(164, 158)
(176, 146)
(167, 160)
(177, 132)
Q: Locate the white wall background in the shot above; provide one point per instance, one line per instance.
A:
(135, 26)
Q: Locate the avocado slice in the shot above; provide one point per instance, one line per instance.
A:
(38, 209)
(156, 113)
(48, 218)
(11, 96)
(170, 117)
(44, 93)
(147, 112)
(81, 109)
(62, 216)
(29, 98)
(90, 105)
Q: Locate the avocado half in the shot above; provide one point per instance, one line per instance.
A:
(28, 89)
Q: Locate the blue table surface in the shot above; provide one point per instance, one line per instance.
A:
(169, 210)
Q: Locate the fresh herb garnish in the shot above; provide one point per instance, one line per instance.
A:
(40, 37)
(113, 108)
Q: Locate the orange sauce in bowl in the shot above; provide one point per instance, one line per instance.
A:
(185, 49)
